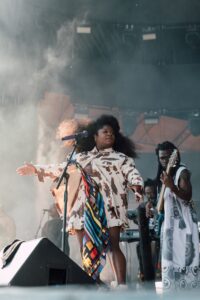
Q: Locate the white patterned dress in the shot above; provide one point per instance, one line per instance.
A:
(114, 172)
(180, 242)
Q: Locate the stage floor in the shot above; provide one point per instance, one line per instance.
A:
(67, 292)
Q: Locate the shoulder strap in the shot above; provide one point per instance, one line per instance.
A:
(178, 173)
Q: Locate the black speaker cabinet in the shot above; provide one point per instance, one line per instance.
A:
(39, 263)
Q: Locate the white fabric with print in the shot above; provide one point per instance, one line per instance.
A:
(180, 242)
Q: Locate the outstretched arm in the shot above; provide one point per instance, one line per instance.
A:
(51, 171)
(133, 178)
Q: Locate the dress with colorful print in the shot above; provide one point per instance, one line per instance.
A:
(114, 173)
(99, 200)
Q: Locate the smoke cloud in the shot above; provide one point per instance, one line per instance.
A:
(31, 61)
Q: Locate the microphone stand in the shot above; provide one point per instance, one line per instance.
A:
(65, 176)
(40, 224)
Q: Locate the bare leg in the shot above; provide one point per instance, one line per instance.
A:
(79, 235)
(118, 259)
(109, 255)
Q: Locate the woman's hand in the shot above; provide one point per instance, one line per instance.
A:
(26, 169)
(88, 170)
(138, 190)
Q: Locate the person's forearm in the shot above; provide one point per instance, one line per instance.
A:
(40, 174)
(46, 171)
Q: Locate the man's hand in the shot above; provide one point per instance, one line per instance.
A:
(148, 209)
(167, 180)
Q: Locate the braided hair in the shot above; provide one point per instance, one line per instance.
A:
(163, 147)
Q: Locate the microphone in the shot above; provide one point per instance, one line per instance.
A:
(82, 134)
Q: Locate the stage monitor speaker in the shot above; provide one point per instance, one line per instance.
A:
(40, 263)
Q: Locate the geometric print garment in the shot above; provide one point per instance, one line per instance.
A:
(102, 193)
(115, 174)
(180, 243)
(96, 235)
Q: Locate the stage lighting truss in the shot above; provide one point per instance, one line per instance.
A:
(138, 43)
(149, 33)
(81, 111)
(151, 117)
(84, 29)
(192, 36)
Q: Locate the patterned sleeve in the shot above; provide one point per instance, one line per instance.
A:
(51, 171)
(131, 174)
